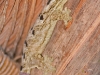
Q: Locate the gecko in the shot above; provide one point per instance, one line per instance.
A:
(39, 35)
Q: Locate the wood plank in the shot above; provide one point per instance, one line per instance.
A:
(92, 67)
(75, 50)
(84, 55)
(64, 42)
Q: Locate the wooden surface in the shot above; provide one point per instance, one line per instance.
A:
(16, 18)
(76, 50)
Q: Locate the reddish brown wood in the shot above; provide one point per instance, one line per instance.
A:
(16, 18)
(75, 50)
(66, 45)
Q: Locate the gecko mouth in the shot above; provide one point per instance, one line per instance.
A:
(39, 35)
